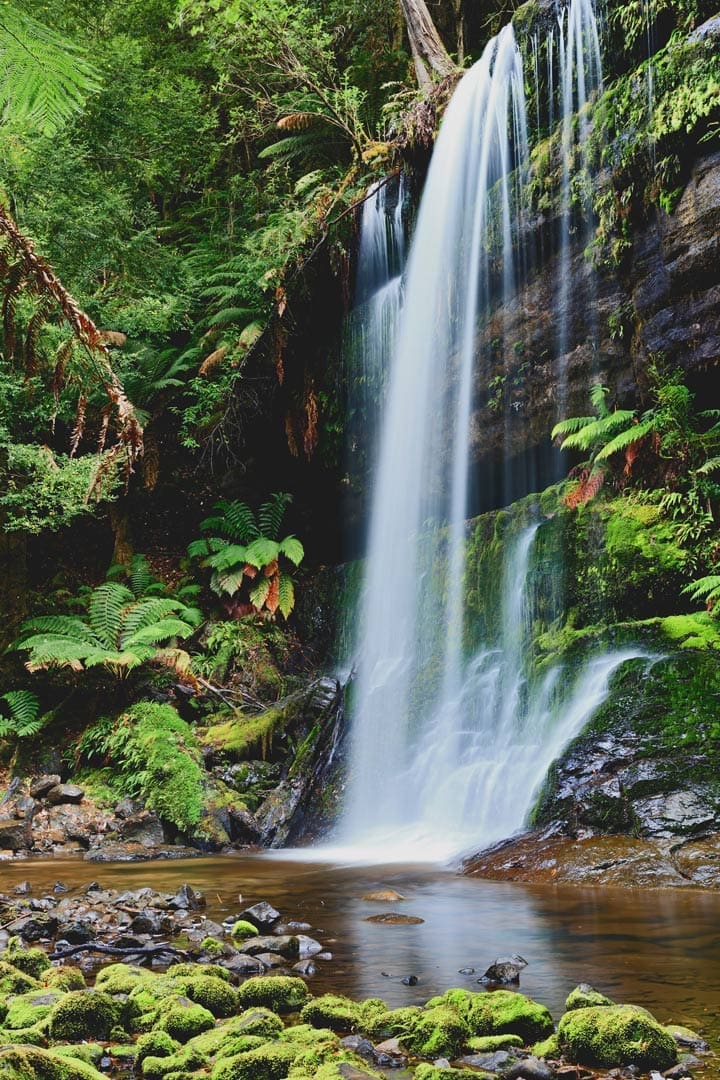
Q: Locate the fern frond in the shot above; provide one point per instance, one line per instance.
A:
(140, 575)
(259, 593)
(634, 434)
(227, 582)
(272, 512)
(158, 633)
(286, 595)
(705, 588)
(292, 549)
(66, 626)
(570, 426)
(228, 316)
(44, 78)
(599, 431)
(710, 466)
(241, 520)
(106, 611)
(598, 400)
(228, 557)
(23, 707)
(147, 612)
(261, 552)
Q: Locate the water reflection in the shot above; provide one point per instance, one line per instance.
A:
(660, 949)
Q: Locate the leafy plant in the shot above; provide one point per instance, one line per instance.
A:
(121, 632)
(20, 717)
(154, 756)
(245, 554)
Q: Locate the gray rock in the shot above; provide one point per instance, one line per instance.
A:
(305, 967)
(262, 915)
(286, 945)
(65, 793)
(40, 787)
(271, 961)
(243, 965)
(506, 969)
(143, 828)
(23, 889)
(76, 932)
(358, 1044)
(34, 927)
(186, 898)
(13, 835)
(530, 1068)
(498, 1062)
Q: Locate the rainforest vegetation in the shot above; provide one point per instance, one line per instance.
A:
(181, 186)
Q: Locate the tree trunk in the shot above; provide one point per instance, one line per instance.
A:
(120, 523)
(459, 14)
(429, 54)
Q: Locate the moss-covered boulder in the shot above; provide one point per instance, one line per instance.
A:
(500, 1012)
(121, 978)
(32, 1063)
(435, 1072)
(331, 1011)
(613, 1036)
(82, 1015)
(243, 930)
(14, 981)
(66, 978)
(270, 1062)
(155, 1044)
(185, 1060)
(215, 995)
(281, 993)
(25, 1010)
(30, 961)
(208, 971)
(547, 1048)
(585, 997)
(438, 1031)
(488, 1044)
(184, 1021)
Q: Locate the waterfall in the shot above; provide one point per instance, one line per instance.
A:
(580, 76)
(447, 751)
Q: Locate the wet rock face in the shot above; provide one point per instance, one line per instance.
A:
(668, 294)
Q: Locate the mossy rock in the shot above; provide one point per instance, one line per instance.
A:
(687, 1039)
(613, 1036)
(488, 1044)
(14, 981)
(281, 993)
(82, 1015)
(121, 978)
(434, 1072)
(500, 1012)
(271, 1062)
(212, 946)
(88, 1052)
(548, 1048)
(185, 1060)
(208, 971)
(331, 1011)
(438, 1031)
(26, 1010)
(65, 978)
(36, 1035)
(184, 1022)
(215, 995)
(585, 997)
(243, 930)
(155, 1044)
(31, 962)
(32, 1063)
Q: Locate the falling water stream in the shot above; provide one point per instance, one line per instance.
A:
(448, 750)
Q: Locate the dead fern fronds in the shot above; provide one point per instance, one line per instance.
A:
(298, 121)
(213, 361)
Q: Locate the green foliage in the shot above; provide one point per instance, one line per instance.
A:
(120, 633)
(154, 756)
(43, 490)
(44, 78)
(246, 555)
(22, 714)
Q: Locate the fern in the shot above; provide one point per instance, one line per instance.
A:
(705, 588)
(44, 78)
(292, 549)
(286, 595)
(624, 439)
(570, 426)
(598, 399)
(599, 430)
(262, 552)
(23, 717)
(271, 514)
(241, 521)
(106, 610)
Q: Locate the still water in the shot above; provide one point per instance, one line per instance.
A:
(660, 949)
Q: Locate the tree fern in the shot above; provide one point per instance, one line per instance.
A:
(570, 426)
(106, 611)
(44, 78)
(262, 552)
(598, 399)
(22, 709)
(599, 431)
(292, 549)
(705, 588)
(634, 434)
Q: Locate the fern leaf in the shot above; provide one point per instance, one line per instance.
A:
(286, 595)
(705, 588)
(599, 431)
(106, 611)
(259, 593)
(227, 582)
(261, 552)
(23, 707)
(45, 78)
(65, 626)
(292, 549)
(633, 434)
(598, 399)
(228, 316)
(140, 575)
(710, 466)
(146, 612)
(570, 426)
(271, 514)
(229, 557)
(241, 520)
(159, 633)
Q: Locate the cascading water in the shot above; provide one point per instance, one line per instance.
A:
(580, 76)
(448, 752)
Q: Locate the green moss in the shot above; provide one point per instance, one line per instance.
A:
(432, 1032)
(243, 930)
(83, 1014)
(585, 997)
(14, 981)
(186, 1060)
(65, 978)
(121, 978)
(31, 962)
(500, 1012)
(282, 993)
(488, 1044)
(217, 996)
(433, 1072)
(271, 1062)
(331, 1011)
(615, 1036)
(26, 1010)
(209, 971)
(155, 1044)
(548, 1048)
(36, 1035)
(32, 1063)
(88, 1052)
(241, 737)
(212, 946)
(183, 1022)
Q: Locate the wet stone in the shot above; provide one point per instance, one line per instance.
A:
(358, 1044)
(40, 787)
(262, 915)
(65, 793)
(23, 889)
(530, 1068)
(186, 898)
(305, 967)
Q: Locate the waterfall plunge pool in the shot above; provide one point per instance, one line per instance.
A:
(656, 948)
